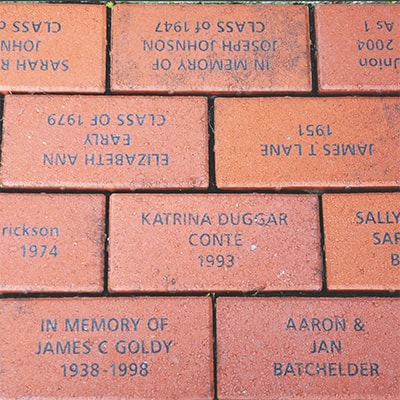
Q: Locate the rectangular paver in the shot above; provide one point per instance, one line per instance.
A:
(362, 241)
(131, 348)
(358, 48)
(303, 348)
(307, 143)
(210, 48)
(52, 48)
(100, 142)
(213, 243)
(51, 242)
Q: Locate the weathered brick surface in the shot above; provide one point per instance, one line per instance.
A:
(105, 169)
(362, 241)
(305, 348)
(52, 48)
(307, 143)
(173, 48)
(357, 48)
(214, 242)
(119, 348)
(51, 242)
(104, 143)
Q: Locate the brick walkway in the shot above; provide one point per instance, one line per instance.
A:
(200, 201)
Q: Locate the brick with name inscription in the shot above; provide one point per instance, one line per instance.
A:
(308, 348)
(130, 348)
(105, 143)
(319, 143)
(210, 48)
(362, 241)
(213, 242)
(358, 48)
(52, 48)
(51, 242)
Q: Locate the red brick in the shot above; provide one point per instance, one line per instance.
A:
(155, 244)
(52, 48)
(51, 243)
(220, 49)
(357, 48)
(362, 241)
(307, 143)
(132, 348)
(270, 348)
(99, 142)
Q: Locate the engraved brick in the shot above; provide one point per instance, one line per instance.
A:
(303, 348)
(358, 48)
(362, 241)
(194, 242)
(210, 48)
(52, 48)
(51, 243)
(99, 142)
(136, 348)
(276, 143)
